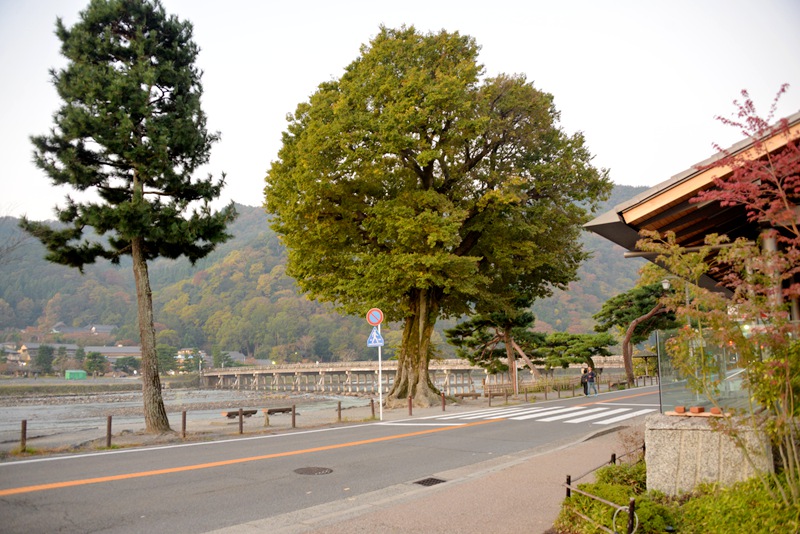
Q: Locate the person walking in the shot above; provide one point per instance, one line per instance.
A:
(584, 382)
(590, 381)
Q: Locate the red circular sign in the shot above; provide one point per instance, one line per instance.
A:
(374, 317)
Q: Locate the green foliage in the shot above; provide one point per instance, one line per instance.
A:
(44, 359)
(744, 507)
(653, 517)
(621, 310)
(132, 132)
(127, 364)
(95, 363)
(105, 295)
(413, 185)
(756, 322)
(561, 349)
(633, 476)
(484, 339)
(166, 358)
(131, 129)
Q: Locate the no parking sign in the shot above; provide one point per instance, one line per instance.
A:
(374, 317)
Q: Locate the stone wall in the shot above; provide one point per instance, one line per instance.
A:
(683, 451)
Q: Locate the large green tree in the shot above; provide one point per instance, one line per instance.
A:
(416, 185)
(132, 132)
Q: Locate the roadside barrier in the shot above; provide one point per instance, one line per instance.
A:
(630, 509)
(238, 414)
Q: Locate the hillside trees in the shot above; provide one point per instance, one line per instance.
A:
(131, 132)
(413, 185)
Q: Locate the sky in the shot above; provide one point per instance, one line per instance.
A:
(643, 80)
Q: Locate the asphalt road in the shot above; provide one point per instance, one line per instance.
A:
(200, 487)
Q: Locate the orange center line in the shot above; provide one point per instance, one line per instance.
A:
(112, 478)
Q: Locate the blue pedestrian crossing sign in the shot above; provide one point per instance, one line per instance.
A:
(375, 339)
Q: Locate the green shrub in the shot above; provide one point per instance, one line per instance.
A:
(617, 484)
(632, 475)
(743, 507)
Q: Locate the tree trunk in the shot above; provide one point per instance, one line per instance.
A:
(512, 361)
(524, 356)
(627, 349)
(155, 416)
(412, 378)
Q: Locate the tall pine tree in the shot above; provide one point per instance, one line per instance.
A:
(132, 132)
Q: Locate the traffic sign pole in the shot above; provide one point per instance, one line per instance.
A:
(375, 318)
(380, 381)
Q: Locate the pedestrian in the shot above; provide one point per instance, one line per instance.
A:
(584, 382)
(590, 381)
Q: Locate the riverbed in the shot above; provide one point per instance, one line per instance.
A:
(51, 415)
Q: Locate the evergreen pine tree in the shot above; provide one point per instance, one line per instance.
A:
(131, 132)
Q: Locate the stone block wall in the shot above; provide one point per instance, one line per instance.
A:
(683, 451)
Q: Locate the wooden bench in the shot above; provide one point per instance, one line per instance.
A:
(273, 411)
(235, 413)
(465, 395)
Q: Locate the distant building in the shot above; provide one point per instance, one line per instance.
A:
(93, 329)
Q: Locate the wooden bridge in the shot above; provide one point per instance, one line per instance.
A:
(353, 378)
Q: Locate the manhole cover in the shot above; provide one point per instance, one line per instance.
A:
(313, 471)
(429, 481)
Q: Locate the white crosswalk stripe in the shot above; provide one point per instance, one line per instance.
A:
(596, 414)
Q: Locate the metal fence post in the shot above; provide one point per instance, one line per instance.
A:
(632, 516)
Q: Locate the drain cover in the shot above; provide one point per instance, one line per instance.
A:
(313, 471)
(429, 481)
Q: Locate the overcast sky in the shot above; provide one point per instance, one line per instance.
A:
(642, 79)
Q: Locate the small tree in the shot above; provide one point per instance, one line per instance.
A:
(127, 364)
(562, 348)
(44, 359)
(637, 312)
(166, 357)
(80, 355)
(756, 321)
(131, 130)
(487, 340)
(95, 363)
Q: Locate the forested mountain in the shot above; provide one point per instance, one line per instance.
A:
(239, 299)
